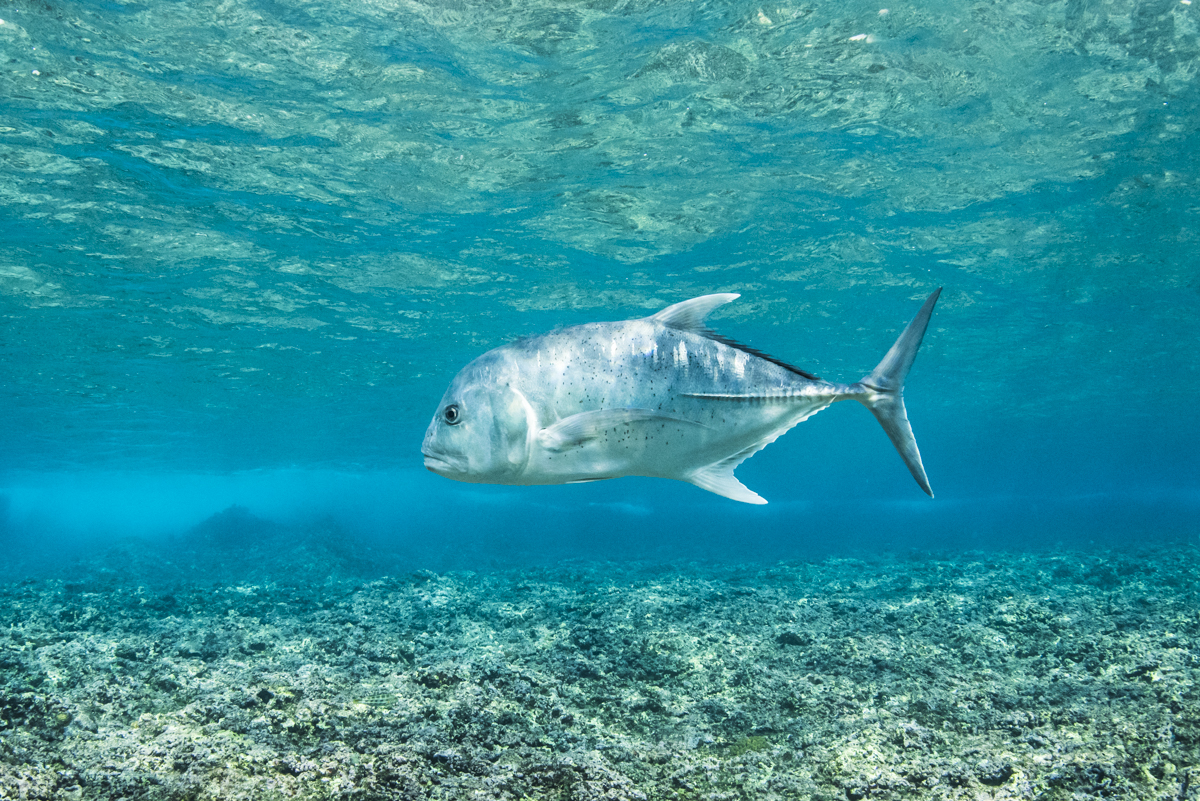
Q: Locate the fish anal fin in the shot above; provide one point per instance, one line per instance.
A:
(585, 426)
(689, 315)
(718, 478)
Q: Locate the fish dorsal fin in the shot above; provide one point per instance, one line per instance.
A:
(580, 428)
(689, 315)
(733, 343)
(718, 477)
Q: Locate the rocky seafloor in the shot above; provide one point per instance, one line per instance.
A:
(289, 665)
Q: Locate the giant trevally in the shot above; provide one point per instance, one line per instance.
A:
(660, 396)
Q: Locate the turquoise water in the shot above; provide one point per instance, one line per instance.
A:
(246, 245)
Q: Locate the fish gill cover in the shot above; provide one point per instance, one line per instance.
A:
(244, 246)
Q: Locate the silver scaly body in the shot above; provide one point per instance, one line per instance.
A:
(661, 396)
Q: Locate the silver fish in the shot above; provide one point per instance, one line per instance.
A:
(660, 396)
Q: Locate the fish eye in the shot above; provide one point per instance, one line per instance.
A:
(451, 415)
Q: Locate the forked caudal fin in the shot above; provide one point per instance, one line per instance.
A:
(883, 391)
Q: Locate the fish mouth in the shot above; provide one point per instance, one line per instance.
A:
(441, 464)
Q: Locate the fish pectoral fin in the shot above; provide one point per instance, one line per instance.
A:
(580, 428)
(719, 478)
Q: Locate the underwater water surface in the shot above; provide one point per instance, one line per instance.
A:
(245, 246)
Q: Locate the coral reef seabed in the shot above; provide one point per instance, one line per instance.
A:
(212, 669)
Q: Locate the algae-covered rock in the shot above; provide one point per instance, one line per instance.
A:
(1010, 676)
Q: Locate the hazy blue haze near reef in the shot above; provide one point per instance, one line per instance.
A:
(244, 246)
